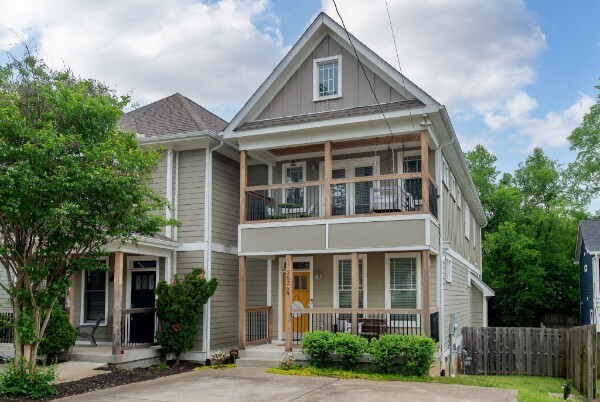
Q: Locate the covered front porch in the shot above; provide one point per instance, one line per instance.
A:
(368, 294)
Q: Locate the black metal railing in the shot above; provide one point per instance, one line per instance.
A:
(138, 327)
(259, 325)
(433, 199)
(6, 325)
(375, 196)
(371, 323)
(292, 202)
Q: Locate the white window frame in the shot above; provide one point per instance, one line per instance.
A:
(82, 321)
(388, 297)
(336, 287)
(446, 173)
(448, 269)
(316, 64)
(459, 197)
(467, 222)
(130, 270)
(452, 186)
(284, 167)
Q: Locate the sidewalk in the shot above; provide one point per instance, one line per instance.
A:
(253, 384)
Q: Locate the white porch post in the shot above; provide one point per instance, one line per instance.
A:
(354, 278)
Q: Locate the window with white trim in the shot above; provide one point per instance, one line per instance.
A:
(327, 78)
(459, 197)
(448, 262)
(402, 285)
(294, 172)
(467, 222)
(94, 294)
(452, 186)
(446, 173)
(343, 266)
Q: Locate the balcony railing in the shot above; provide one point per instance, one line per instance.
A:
(138, 327)
(393, 193)
(6, 325)
(372, 323)
(259, 325)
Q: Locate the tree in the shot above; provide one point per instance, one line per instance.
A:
(70, 182)
(584, 172)
(482, 166)
(178, 307)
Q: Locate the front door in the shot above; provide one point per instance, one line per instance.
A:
(142, 296)
(300, 294)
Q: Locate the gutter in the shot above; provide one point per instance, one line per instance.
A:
(143, 140)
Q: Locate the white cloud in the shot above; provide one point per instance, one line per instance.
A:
(216, 53)
(467, 54)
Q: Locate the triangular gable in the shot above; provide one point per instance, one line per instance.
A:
(324, 37)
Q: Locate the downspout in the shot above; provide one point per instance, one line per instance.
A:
(208, 201)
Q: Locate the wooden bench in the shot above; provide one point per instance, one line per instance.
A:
(372, 327)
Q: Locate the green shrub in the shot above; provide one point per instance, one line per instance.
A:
(384, 350)
(59, 335)
(418, 353)
(349, 348)
(16, 381)
(318, 346)
(178, 308)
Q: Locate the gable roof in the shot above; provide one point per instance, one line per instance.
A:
(588, 233)
(171, 115)
(322, 25)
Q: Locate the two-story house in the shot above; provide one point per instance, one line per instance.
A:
(355, 192)
(587, 255)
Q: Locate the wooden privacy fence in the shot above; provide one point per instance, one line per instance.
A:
(569, 353)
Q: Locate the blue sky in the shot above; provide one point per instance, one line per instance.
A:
(514, 74)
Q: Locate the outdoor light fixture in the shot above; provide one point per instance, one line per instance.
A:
(293, 163)
(318, 276)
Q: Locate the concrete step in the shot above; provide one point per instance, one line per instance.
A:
(267, 354)
(264, 363)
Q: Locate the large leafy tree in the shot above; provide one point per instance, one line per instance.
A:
(585, 140)
(70, 182)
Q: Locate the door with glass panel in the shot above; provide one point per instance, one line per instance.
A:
(362, 191)
(351, 198)
(403, 285)
(344, 291)
(339, 199)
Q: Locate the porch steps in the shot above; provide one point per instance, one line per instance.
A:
(263, 357)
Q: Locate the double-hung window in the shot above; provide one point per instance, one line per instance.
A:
(402, 279)
(412, 164)
(94, 296)
(294, 172)
(343, 266)
(327, 78)
(467, 222)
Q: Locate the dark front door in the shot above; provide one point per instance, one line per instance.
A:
(142, 296)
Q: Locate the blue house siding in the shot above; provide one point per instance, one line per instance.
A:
(586, 287)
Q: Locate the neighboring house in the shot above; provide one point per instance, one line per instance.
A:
(199, 176)
(587, 254)
(365, 214)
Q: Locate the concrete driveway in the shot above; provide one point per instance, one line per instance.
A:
(253, 384)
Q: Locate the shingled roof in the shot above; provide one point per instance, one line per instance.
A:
(172, 115)
(590, 233)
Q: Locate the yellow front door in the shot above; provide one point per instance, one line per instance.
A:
(300, 293)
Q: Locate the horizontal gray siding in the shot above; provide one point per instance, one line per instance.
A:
(258, 175)
(192, 172)
(457, 297)
(226, 200)
(476, 307)
(256, 283)
(224, 303)
(4, 299)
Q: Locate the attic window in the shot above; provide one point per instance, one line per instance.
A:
(327, 76)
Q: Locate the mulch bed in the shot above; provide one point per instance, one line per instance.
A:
(109, 380)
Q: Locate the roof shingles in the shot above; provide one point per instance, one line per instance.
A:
(590, 232)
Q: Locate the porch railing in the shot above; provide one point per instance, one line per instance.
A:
(291, 201)
(6, 325)
(259, 325)
(433, 199)
(138, 327)
(371, 322)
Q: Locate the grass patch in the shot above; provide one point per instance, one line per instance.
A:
(529, 389)
(217, 367)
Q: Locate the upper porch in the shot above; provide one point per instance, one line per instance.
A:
(318, 194)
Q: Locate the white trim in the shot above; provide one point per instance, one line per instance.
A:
(479, 284)
(203, 245)
(467, 222)
(450, 251)
(340, 257)
(284, 166)
(448, 268)
(169, 190)
(222, 248)
(130, 269)
(388, 257)
(269, 282)
(373, 218)
(316, 64)
(339, 251)
(176, 202)
(104, 322)
(194, 356)
(428, 231)
(280, 288)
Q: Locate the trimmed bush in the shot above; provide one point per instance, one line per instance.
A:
(418, 353)
(59, 335)
(349, 348)
(384, 350)
(318, 346)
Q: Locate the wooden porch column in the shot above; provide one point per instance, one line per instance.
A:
(425, 317)
(243, 184)
(355, 293)
(287, 302)
(425, 171)
(327, 175)
(72, 300)
(242, 304)
(117, 299)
